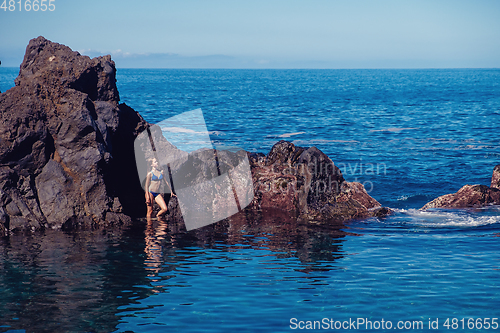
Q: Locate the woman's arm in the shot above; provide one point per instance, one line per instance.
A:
(168, 184)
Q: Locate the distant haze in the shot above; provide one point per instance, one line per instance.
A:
(266, 34)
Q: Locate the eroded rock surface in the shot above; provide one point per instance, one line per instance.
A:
(306, 183)
(66, 144)
(471, 195)
(495, 179)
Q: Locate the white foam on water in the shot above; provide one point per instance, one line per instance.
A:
(447, 218)
(403, 198)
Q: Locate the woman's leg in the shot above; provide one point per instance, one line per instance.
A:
(163, 206)
(149, 203)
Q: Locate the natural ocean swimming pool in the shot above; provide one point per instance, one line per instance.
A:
(408, 135)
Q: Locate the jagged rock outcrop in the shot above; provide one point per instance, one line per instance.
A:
(66, 144)
(67, 155)
(303, 183)
(471, 195)
(495, 179)
(306, 183)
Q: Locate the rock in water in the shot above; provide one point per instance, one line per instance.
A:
(495, 179)
(66, 144)
(67, 154)
(471, 195)
(306, 183)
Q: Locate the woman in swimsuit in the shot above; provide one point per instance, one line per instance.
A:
(153, 183)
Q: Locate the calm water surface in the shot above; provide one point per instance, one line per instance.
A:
(408, 135)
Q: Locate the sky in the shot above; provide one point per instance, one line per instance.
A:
(265, 34)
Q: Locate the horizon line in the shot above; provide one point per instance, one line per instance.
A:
(305, 68)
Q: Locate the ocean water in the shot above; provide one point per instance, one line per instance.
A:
(407, 135)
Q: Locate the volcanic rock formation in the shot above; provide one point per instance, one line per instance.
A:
(306, 183)
(471, 195)
(66, 144)
(67, 154)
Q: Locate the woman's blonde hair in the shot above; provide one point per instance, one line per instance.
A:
(150, 162)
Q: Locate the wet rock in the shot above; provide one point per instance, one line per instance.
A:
(306, 183)
(55, 189)
(467, 196)
(382, 212)
(12, 209)
(470, 195)
(357, 192)
(4, 217)
(495, 179)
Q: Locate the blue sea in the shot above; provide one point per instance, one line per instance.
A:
(408, 135)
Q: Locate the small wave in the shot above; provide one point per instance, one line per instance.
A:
(173, 129)
(287, 135)
(420, 199)
(181, 130)
(394, 129)
(320, 141)
(474, 147)
(447, 218)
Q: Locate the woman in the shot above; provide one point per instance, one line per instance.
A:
(153, 184)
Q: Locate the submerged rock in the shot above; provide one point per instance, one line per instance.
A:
(471, 195)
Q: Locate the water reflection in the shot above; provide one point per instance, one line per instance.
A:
(272, 230)
(59, 282)
(90, 281)
(155, 234)
(260, 264)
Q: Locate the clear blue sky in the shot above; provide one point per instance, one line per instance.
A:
(266, 34)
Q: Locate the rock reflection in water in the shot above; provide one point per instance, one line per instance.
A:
(60, 282)
(273, 230)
